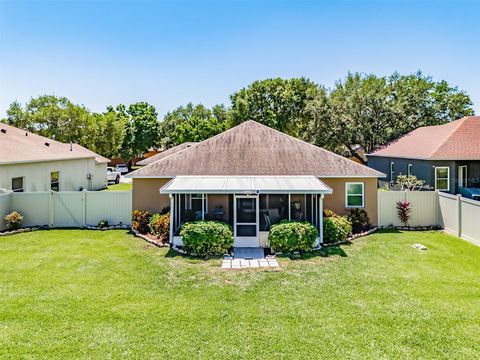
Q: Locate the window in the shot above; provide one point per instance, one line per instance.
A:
(442, 178)
(17, 184)
(410, 170)
(462, 176)
(392, 171)
(55, 181)
(354, 195)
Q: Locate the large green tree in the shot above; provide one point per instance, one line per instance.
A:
(141, 128)
(278, 103)
(192, 123)
(109, 133)
(367, 111)
(54, 117)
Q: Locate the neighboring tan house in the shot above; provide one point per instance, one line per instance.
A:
(446, 157)
(30, 162)
(252, 176)
(158, 156)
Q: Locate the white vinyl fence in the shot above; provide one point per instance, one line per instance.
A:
(460, 216)
(424, 206)
(68, 209)
(456, 214)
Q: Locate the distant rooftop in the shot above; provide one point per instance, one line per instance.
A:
(457, 140)
(17, 146)
(165, 153)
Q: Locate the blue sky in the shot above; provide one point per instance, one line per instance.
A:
(101, 53)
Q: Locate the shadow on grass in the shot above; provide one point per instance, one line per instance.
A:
(175, 254)
(388, 231)
(327, 251)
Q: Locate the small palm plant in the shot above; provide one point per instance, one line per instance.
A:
(404, 211)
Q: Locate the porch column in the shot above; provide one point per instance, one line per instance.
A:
(172, 212)
(320, 216)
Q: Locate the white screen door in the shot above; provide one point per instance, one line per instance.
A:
(246, 221)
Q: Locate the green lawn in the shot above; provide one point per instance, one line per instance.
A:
(86, 294)
(119, 187)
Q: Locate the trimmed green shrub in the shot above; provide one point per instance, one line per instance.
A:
(336, 228)
(160, 226)
(360, 221)
(290, 236)
(204, 238)
(140, 221)
(14, 220)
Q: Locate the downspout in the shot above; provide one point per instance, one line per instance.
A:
(320, 205)
(172, 207)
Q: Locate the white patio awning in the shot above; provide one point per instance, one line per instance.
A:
(245, 185)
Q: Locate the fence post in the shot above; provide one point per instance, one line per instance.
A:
(459, 214)
(84, 212)
(51, 208)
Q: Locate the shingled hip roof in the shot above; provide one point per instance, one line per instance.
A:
(254, 149)
(457, 140)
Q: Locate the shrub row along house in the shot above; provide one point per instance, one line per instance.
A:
(252, 176)
(446, 157)
(30, 162)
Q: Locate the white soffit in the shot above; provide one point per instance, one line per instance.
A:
(245, 185)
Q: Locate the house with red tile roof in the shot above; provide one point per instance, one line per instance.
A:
(446, 157)
(252, 176)
(30, 162)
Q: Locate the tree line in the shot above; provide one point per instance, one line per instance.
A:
(358, 114)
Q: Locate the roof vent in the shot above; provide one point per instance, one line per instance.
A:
(4, 131)
(26, 134)
(47, 144)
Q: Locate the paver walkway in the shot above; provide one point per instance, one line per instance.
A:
(245, 258)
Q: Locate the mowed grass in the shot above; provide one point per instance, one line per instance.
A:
(119, 187)
(90, 294)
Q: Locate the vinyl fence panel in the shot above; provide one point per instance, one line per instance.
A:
(69, 209)
(470, 220)
(4, 208)
(424, 205)
(35, 207)
(113, 206)
(448, 207)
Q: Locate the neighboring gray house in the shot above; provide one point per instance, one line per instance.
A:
(446, 157)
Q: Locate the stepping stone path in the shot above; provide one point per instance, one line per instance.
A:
(250, 263)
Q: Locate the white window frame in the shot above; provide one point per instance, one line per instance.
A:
(346, 195)
(22, 189)
(448, 177)
(392, 172)
(462, 176)
(409, 169)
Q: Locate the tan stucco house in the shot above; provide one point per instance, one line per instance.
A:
(30, 162)
(252, 176)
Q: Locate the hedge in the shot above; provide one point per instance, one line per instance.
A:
(336, 228)
(204, 238)
(290, 236)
